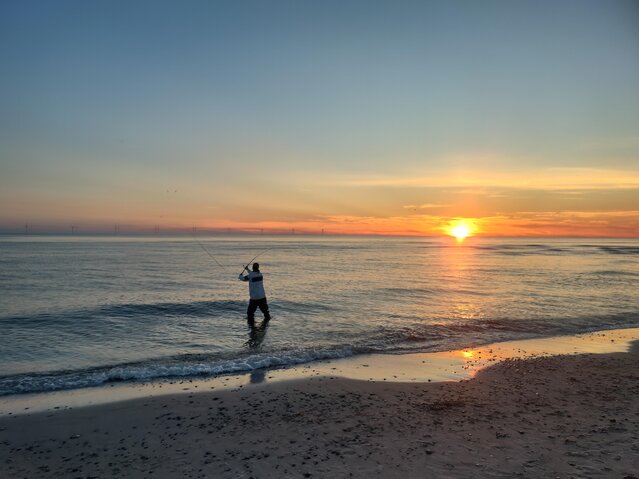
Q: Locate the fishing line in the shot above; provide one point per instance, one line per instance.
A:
(207, 252)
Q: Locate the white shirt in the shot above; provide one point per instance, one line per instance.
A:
(256, 284)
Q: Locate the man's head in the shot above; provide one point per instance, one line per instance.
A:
(256, 266)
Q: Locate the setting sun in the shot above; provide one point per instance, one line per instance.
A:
(460, 230)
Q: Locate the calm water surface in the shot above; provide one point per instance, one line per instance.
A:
(82, 311)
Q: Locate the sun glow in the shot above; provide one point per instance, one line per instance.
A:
(460, 232)
(461, 228)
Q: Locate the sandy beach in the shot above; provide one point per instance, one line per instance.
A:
(558, 416)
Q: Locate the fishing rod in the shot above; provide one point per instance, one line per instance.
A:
(254, 258)
(207, 252)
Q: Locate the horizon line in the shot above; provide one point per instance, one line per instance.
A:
(300, 233)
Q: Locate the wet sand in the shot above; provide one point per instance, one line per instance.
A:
(541, 417)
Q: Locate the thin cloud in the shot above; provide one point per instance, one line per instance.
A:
(555, 178)
(425, 206)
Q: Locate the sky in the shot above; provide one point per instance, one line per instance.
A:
(359, 117)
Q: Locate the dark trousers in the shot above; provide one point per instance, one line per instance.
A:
(252, 307)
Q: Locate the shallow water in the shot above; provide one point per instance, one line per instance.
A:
(82, 311)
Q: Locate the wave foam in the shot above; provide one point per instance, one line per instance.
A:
(161, 369)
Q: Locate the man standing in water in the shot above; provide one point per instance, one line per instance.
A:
(256, 293)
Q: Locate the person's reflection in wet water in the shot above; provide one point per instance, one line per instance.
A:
(257, 333)
(256, 338)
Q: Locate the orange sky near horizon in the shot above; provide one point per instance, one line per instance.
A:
(578, 202)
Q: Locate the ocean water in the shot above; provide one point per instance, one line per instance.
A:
(83, 311)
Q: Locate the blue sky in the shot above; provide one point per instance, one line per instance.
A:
(107, 105)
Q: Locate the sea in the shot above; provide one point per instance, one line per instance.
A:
(82, 311)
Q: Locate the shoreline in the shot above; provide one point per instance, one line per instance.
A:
(452, 365)
(573, 415)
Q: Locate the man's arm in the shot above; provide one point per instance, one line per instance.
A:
(242, 277)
